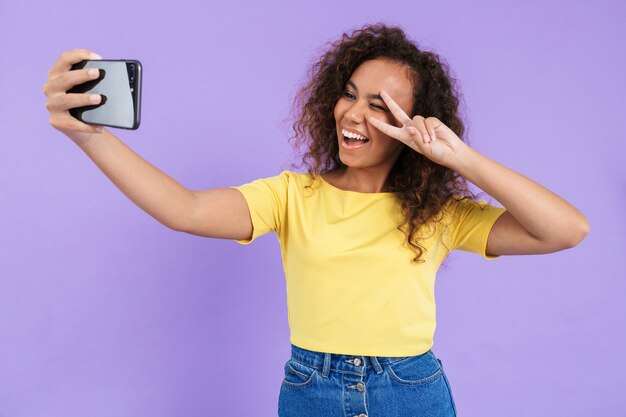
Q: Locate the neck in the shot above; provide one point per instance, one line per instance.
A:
(364, 180)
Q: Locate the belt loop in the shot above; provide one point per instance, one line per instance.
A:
(326, 368)
(376, 364)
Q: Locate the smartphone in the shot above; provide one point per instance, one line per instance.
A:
(119, 84)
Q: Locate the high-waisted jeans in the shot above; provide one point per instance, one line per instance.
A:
(319, 384)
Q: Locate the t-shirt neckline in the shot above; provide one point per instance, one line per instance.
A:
(336, 189)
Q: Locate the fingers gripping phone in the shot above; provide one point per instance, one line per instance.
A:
(119, 85)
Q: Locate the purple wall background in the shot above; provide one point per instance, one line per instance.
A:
(103, 311)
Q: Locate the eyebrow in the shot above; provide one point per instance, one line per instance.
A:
(374, 96)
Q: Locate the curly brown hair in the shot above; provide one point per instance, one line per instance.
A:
(421, 186)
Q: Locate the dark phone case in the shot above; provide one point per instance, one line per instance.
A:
(77, 112)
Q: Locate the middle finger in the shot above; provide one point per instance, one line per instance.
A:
(63, 102)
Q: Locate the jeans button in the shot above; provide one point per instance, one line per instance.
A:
(357, 362)
(360, 387)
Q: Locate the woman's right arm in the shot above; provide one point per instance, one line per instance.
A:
(218, 213)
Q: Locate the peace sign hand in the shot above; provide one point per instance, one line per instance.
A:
(428, 136)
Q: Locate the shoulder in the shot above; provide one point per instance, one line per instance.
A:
(285, 183)
(294, 176)
(464, 214)
(283, 178)
(460, 211)
(458, 205)
(300, 180)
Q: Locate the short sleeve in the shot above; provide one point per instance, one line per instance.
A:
(267, 203)
(471, 224)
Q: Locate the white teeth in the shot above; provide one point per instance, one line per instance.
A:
(352, 135)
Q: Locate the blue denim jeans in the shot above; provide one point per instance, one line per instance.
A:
(319, 384)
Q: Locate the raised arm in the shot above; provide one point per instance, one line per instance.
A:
(219, 213)
(536, 221)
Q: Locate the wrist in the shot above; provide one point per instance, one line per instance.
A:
(461, 159)
(82, 139)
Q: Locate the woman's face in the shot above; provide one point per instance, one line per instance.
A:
(358, 102)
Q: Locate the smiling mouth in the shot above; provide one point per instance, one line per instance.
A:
(349, 143)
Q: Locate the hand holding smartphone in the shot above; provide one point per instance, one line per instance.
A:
(119, 85)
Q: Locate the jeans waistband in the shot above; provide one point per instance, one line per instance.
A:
(326, 362)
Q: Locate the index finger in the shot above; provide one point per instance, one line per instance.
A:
(387, 129)
(396, 110)
(69, 58)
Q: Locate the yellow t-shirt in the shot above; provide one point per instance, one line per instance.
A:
(351, 285)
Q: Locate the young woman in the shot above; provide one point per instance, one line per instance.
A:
(383, 202)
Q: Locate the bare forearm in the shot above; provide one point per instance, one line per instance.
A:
(543, 214)
(152, 190)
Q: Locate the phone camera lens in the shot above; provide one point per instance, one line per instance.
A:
(131, 72)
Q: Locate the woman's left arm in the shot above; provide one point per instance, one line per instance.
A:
(536, 221)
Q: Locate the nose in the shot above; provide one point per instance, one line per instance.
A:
(357, 113)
